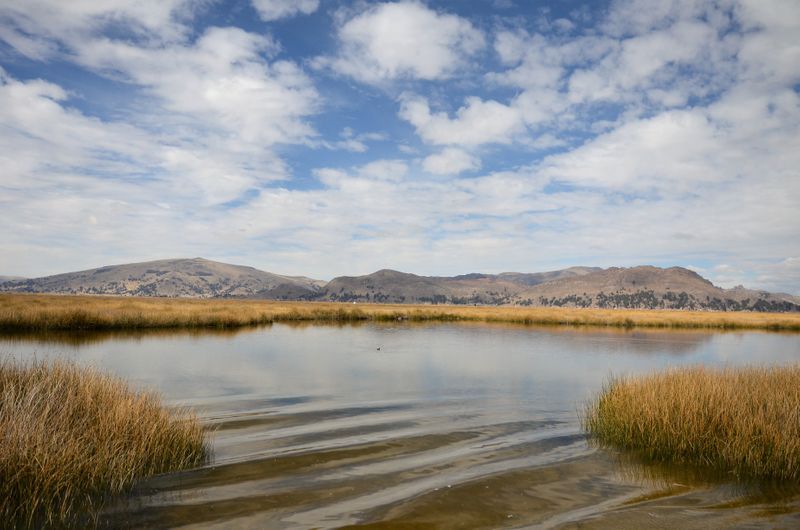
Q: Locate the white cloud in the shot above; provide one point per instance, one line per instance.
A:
(350, 141)
(540, 106)
(657, 60)
(450, 161)
(36, 122)
(393, 170)
(209, 110)
(220, 80)
(536, 61)
(477, 122)
(35, 27)
(649, 56)
(635, 17)
(776, 276)
(671, 152)
(270, 10)
(403, 40)
(769, 51)
(378, 173)
(682, 151)
(49, 198)
(91, 157)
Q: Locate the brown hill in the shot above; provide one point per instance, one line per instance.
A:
(649, 287)
(195, 278)
(636, 287)
(388, 286)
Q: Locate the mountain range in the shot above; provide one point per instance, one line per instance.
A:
(643, 287)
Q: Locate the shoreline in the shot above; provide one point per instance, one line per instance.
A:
(51, 312)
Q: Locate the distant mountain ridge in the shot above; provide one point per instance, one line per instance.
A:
(643, 287)
(647, 287)
(193, 278)
(389, 286)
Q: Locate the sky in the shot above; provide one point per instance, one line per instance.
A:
(323, 138)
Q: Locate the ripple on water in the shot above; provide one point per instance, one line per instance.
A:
(346, 459)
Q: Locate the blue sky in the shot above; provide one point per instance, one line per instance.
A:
(322, 138)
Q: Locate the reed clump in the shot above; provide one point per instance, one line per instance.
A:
(71, 437)
(744, 421)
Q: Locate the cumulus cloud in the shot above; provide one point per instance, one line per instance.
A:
(35, 28)
(221, 80)
(270, 10)
(648, 56)
(98, 159)
(450, 161)
(403, 40)
(657, 60)
(36, 122)
(212, 107)
(671, 152)
(393, 170)
(49, 196)
(477, 122)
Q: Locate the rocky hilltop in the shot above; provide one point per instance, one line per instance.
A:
(192, 278)
(648, 287)
(642, 287)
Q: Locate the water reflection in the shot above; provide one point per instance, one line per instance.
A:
(426, 425)
(75, 339)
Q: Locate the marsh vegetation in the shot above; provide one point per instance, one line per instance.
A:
(72, 437)
(744, 421)
(59, 312)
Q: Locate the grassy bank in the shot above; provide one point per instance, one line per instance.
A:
(745, 421)
(54, 312)
(70, 437)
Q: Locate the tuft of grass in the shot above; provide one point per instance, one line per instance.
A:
(744, 421)
(71, 437)
(61, 312)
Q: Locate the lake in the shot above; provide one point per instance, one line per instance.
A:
(419, 426)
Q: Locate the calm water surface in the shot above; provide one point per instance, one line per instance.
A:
(402, 426)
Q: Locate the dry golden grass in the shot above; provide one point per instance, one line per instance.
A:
(70, 437)
(744, 421)
(54, 312)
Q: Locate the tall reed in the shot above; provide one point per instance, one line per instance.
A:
(70, 437)
(745, 421)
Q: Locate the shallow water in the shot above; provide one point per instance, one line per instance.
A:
(409, 426)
